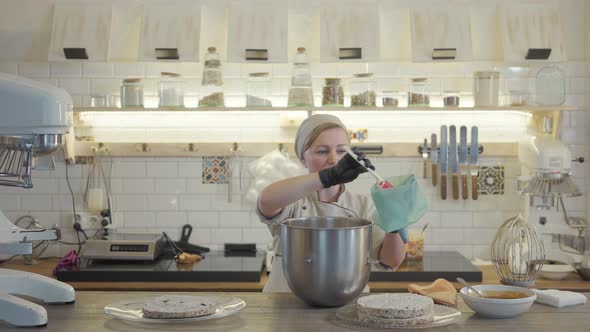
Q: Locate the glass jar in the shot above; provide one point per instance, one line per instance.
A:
(301, 92)
(485, 88)
(362, 90)
(517, 98)
(171, 90)
(259, 86)
(418, 92)
(301, 69)
(212, 68)
(390, 98)
(212, 82)
(332, 93)
(451, 98)
(550, 86)
(99, 101)
(132, 93)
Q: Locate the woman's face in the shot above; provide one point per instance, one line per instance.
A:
(326, 150)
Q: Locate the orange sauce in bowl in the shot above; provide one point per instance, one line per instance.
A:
(504, 295)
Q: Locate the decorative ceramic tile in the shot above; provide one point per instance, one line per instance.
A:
(491, 180)
(215, 170)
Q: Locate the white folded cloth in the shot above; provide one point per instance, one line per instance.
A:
(559, 299)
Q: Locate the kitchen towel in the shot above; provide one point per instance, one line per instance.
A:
(559, 299)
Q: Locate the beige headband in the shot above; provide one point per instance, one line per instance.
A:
(307, 127)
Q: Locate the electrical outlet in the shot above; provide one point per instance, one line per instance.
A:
(89, 221)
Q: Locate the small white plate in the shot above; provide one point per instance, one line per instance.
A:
(443, 315)
(131, 310)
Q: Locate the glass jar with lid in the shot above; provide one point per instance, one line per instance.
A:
(212, 82)
(362, 90)
(259, 86)
(451, 98)
(391, 98)
(550, 86)
(418, 92)
(485, 88)
(171, 90)
(301, 92)
(132, 92)
(332, 93)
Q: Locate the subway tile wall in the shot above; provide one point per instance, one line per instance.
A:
(162, 194)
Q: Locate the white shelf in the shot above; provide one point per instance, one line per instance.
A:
(531, 109)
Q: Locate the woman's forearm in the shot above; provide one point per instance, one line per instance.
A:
(392, 251)
(282, 193)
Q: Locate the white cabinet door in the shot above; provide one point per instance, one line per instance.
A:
(486, 33)
(81, 26)
(347, 24)
(532, 26)
(174, 25)
(442, 27)
(257, 25)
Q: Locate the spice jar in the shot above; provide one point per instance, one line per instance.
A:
(485, 88)
(390, 98)
(451, 98)
(518, 98)
(132, 93)
(301, 92)
(212, 82)
(332, 93)
(362, 89)
(171, 90)
(418, 92)
(259, 85)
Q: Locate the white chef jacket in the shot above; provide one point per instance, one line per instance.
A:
(348, 205)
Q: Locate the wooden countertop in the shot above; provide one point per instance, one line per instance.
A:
(573, 282)
(284, 312)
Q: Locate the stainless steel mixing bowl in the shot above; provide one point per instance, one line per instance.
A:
(326, 259)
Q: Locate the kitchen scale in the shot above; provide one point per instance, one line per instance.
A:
(125, 246)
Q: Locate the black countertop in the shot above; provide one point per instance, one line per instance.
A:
(215, 267)
(441, 264)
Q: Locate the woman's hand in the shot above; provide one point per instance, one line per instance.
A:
(347, 170)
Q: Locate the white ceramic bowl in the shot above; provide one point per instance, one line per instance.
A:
(498, 308)
(555, 270)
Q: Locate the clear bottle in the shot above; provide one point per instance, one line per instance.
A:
(362, 90)
(132, 93)
(550, 86)
(171, 90)
(259, 85)
(301, 92)
(212, 81)
(418, 92)
(332, 93)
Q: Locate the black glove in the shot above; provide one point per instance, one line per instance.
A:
(345, 171)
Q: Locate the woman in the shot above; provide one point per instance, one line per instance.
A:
(318, 145)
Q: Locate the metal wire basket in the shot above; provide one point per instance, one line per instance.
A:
(517, 252)
(15, 161)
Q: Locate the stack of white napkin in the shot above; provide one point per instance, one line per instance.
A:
(559, 299)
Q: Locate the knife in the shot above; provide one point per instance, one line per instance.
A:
(443, 162)
(425, 158)
(434, 159)
(453, 160)
(473, 161)
(463, 160)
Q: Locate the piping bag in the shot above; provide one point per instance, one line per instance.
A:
(381, 183)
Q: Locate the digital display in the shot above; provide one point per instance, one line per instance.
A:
(129, 247)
